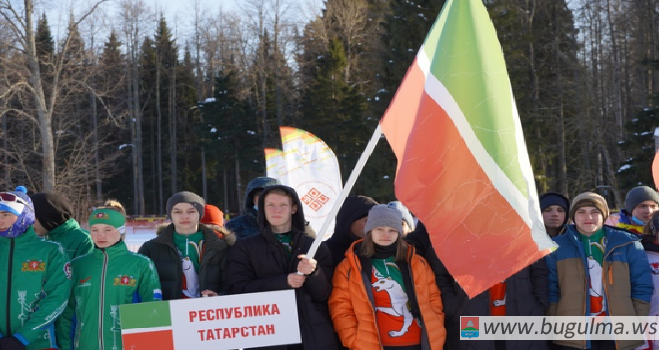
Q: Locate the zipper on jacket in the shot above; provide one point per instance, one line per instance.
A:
(609, 272)
(373, 311)
(421, 316)
(101, 297)
(11, 260)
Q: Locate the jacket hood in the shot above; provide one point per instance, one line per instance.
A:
(353, 209)
(297, 219)
(257, 184)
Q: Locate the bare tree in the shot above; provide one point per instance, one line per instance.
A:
(20, 21)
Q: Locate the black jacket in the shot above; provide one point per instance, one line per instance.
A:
(526, 295)
(353, 209)
(162, 251)
(260, 264)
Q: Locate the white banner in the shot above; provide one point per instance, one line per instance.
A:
(309, 166)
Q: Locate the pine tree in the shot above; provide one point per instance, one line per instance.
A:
(639, 146)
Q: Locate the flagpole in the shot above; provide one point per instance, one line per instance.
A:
(346, 190)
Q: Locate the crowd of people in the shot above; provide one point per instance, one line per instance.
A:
(377, 283)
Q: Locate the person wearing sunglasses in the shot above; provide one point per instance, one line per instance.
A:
(35, 275)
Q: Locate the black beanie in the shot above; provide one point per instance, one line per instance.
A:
(51, 209)
(552, 198)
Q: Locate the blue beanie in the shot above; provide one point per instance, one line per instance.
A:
(25, 215)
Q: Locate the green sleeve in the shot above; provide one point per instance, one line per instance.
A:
(56, 288)
(64, 325)
(85, 246)
(149, 288)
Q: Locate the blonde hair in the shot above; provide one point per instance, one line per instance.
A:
(368, 248)
(114, 205)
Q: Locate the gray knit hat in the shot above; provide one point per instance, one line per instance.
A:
(382, 215)
(186, 197)
(405, 213)
(638, 195)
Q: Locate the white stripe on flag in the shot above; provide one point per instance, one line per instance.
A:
(145, 330)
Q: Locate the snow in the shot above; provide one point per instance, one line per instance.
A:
(655, 133)
(646, 133)
(410, 50)
(125, 145)
(214, 130)
(625, 167)
(251, 132)
(377, 98)
(386, 177)
(621, 142)
(381, 90)
(210, 100)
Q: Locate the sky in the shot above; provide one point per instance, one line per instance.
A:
(178, 13)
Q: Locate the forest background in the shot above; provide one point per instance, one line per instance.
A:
(125, 104)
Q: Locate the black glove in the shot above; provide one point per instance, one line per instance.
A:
(11, 343)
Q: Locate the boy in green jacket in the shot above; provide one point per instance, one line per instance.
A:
(54, 221)
(109, 276)
(35, 277)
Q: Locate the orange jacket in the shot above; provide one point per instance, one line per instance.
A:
(352, 310)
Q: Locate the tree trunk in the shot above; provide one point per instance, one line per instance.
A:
(138, 129)
(204, 173)
(44, 115)
(239, 193)
(159, 136)
(95, 140)
(173, 131)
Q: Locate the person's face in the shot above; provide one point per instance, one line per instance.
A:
(185, 218)
(40, 230)
(104, 235)
(255, 198)
(406, 229)
(554, 216)
(588, 220)
(644, 211)
(278, 210)
(384, 236)
(357, 227)
(6, 220)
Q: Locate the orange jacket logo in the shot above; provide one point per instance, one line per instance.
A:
(34, 266)
(125, 281)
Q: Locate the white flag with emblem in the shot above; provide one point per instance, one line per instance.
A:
(310, 167)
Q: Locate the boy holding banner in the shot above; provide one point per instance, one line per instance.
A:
(274, 260)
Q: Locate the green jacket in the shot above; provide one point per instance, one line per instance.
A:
(76, 241)
(103, 280)
(35, 288)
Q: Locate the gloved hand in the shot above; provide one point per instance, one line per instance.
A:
(11, 343)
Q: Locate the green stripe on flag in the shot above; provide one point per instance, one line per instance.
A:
(145, 315)
(468, 60)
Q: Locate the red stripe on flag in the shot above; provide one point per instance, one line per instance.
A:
(477, 234)
(161, 340)
(397, 123)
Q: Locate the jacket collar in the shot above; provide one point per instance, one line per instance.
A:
(615, 237)
(167, 236)
(61, 230)
(112, 251)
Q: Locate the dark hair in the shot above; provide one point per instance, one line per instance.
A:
(368, 248)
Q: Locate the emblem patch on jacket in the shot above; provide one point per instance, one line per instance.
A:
(34, 266)
(125, 280)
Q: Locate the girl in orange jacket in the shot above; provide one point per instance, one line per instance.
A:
(385, 293)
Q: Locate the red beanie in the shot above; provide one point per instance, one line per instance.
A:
(212, 215)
